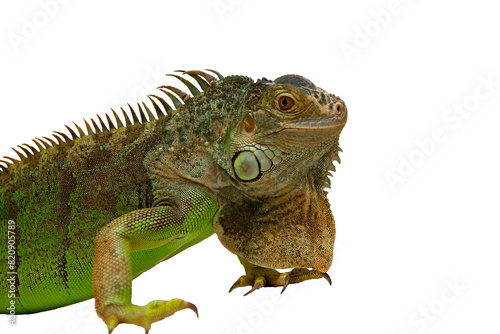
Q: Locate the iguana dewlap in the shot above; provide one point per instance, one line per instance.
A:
(246, 160)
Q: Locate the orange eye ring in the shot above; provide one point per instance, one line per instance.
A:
(285, 102)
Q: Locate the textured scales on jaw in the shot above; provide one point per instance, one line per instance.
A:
(162, 109)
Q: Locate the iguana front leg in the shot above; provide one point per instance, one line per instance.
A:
(147, 232)
(257, 277)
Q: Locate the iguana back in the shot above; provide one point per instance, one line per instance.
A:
(59, 199)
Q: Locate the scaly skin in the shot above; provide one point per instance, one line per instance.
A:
(246, 160)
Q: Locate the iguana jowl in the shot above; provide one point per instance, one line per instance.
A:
(246, 160)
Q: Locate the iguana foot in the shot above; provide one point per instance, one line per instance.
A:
(143, 316)
(257, 277)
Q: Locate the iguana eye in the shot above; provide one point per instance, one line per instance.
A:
(285, 102)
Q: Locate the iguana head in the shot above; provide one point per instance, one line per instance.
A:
(280, 152)
(290, 128)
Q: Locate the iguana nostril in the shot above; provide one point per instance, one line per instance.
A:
(339, 109)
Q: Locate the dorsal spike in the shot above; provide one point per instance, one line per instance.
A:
(196, 76)
(40, 147)
(110, 124)
(28, 153)
(332, 167)
(103, 126)
(21, 156)
(33, 150)
(183, 95)
(89, 129)
(59, 139)
(177, 103)
(141, 112)
(328, 183)
(209, 78)
(158, 110)
(150, 114)
(134, 115)
(47, 145)
(96, 128)
(11, 159)
(119, 123)
(192, 88)
(165, 104)
(65, 137)
(80, 131)
(127, 120)
(220, 76)
(73, 134)
(52, 143)
(6, 162)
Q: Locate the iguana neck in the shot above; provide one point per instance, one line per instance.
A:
(259, 230)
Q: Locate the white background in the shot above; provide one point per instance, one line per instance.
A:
(398, 248)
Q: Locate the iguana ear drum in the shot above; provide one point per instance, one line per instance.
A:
(246, 166)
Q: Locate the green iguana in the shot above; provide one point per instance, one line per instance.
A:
(83, 216)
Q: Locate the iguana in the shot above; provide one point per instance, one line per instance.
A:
(83, 216)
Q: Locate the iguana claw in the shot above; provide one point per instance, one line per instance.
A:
(287, 281)
(235, 285)
(258, 277)
(259, 283)
(327, 277)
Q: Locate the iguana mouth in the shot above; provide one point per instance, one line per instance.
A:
(329, 125)
(335, 121)
(324, 124)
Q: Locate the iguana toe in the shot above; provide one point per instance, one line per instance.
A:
(302, 274)
(258, 277)
(143, 316)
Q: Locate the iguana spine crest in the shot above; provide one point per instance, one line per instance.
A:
(205, 80)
